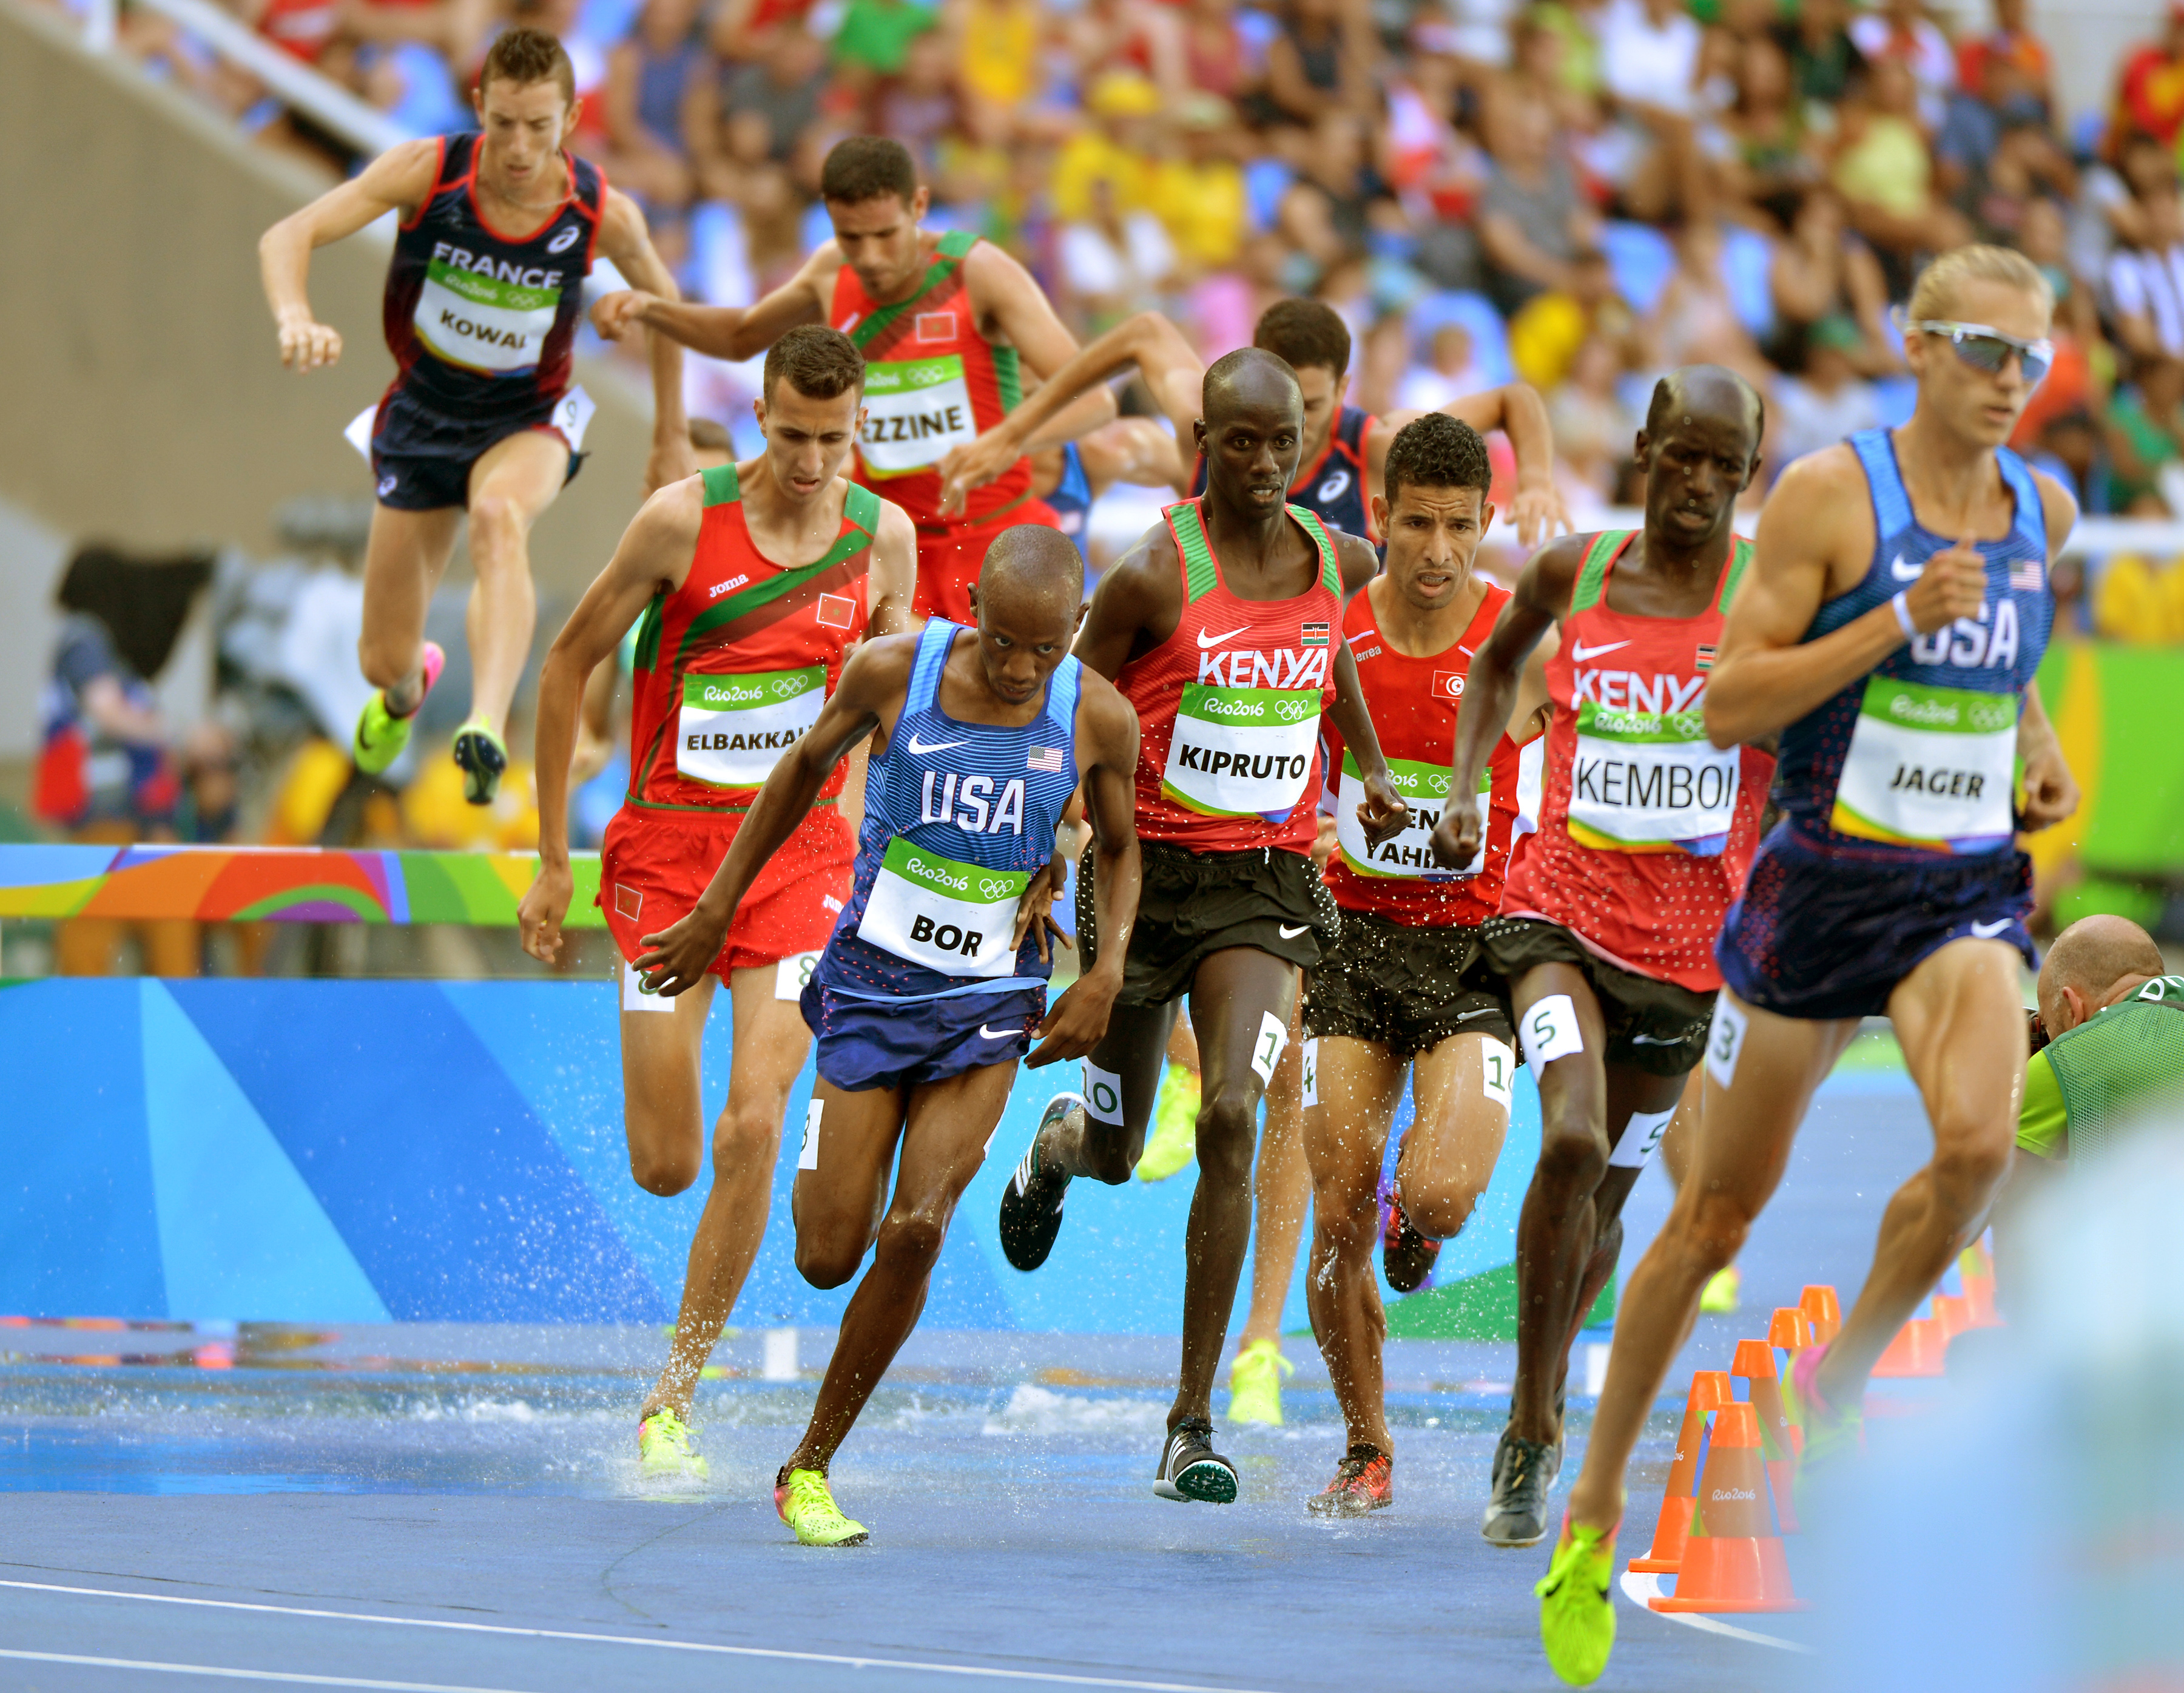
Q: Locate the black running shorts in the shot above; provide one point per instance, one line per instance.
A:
(1655, 1027)
(1401, 987)
(1194, 903)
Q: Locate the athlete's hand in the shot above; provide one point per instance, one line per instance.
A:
(306, 344)
(1539, 514)
(538, 919)
(1325, 841)
(670, 461)
(1034, 910)
(2051, 791)
(1076, 1023)
(616, 313)
(676, 961)
(1952, 585)
(1383, 813)
(1456, 836)
(973, 467)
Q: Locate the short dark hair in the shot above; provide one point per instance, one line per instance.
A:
(1436, 450)
(1305, 332)
(524, 56)
(865, 167)
(709, 437)
(1676, 389)
(819, 363)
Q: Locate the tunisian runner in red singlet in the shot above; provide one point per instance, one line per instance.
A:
(1605, 937)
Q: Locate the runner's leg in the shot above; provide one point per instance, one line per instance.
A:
(661, 1112)
(1234, 993)
(1281, 1192)
(1135, 1047)
(404, 558)
(1460, 1120)
(841, 1206)
(513, 481)
(771, 1043)
(1345, 1136)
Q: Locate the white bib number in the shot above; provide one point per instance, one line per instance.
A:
(954, 918)
(1650, 782)
(1930, 766)
(481, 324)
(1423, 787)
(916, 411)
(732, 729)
(1242, 752)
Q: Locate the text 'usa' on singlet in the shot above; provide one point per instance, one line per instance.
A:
(933, 383)
(733, 665)
(958, 817)
(1335, 490)
(1919, 758)
(1647, 830)
(1230, 705)
(481, 323)
(1413, 702)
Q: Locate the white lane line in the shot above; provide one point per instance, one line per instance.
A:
(1048, 1677)
(242, 1675)
(1639, 1589)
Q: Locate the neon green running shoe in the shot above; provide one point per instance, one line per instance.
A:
(380, 735)
(483, 756)
(1173, 1141)
(806, 1506)
(1577, 1604)
(1723, 1290)
(664, 1448)
(1255, 1383)
(1830, 1431)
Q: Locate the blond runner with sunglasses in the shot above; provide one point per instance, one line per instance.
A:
(1889, 628)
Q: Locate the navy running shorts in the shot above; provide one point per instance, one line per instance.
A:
(421, 460)
(1826, 936)
(864, 1044)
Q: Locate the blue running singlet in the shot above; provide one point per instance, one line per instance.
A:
(1070, 499)
(958, 817)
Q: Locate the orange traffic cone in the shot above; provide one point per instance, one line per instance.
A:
(1755, 1364)
(1734, 1561)
(1710, 1391)
(1917, 1350)
(1791, 1331)
(1819, 1304)
(1977, 1269)
(1953, 1313)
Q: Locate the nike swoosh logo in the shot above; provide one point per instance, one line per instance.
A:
(1987, 931)
(1580, 652)
(1906, 573)
(1289, 934)
(1206, 640)
(937, 746)
(998, 1034)
(1656, 1041)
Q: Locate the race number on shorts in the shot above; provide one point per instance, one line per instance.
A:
(1640, 1135)
(1103, 1093)
(1310, 1053)
(1497, 1069)
(807, 1154)
(1550, 1031)
(1266, 1049)
(636, 997)
(1725, 1040)
(793, 975)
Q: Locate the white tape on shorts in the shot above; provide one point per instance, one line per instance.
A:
(1550, 1031)
(1639, 1137)
(807, 1155)
(1266, 1047)
(1725, 1040)
(1311, 1056)
(790, 975)
(635, 998)
(1497, 1070)
(1103, 1094)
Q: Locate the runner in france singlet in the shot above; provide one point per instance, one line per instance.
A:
(1334, 490)
(933, 383)
(1414, 702)
(958, 817)
(1645, 828)
(480, 322)
(1231, 704)
(1919, 757)
(734, 665)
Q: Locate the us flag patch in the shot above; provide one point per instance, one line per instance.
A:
(1705, 657)
(2026, 574)
(1046, 758)
(1315, 634)
(837, 610)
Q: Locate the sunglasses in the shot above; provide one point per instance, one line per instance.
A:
(1989, 349)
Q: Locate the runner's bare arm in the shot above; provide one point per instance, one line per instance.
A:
(1147, 341)
(1138, 450)
(1496, 682)
(1136, 606)
(734, 332)
(1004, 295)
(1815, 538)
(1536, 510)
(1383, 812)
(2051, 791)
(397, 181)
(868, 698)
(891, 578)
(1106, 725)
(655, 552)
(624, 238)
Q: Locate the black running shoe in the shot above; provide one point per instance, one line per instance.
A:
(1407, 1257)
(1523, 1471)
(1031, 1204)
(1190, 1469)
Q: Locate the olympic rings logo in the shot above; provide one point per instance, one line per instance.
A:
(788, 687)
(995, 889)
(1437, 783)
(1294, 710)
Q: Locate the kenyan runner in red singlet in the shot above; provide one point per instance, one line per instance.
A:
(1222, 627)
(1605, 934)
(948, 323)
(1390, 999)
(752, 582)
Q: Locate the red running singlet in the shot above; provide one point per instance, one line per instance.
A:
(1647, 830)
(1231, 704)
(1413, 702)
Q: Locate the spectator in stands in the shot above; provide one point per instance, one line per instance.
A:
(1545, 336)
(1449, 372)
(1327, 212)
(875, 37)
(1323, 58)
(1886, 174)
(1899, 30)
(1594, 429)
(1829, 401)
(1695, 322)
(2146, 434)
(1532, 220)
(654, 75)
(1195, 186)
(1823, 271)
(2146, 276)
(997, 68)
(755, 112)
(1823, 61)
(919, 108)
(1649, 56)
(2150, 88)
(1217, 58)
(2008, 64)
(1755, 149)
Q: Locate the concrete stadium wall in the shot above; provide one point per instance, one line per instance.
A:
(144, 401)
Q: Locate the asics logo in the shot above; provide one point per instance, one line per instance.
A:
(566, 239)
(920, 751)
(1906, 573)
(1289, 934)
(1580, 652)
(1987, 931)
(1207, 640)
